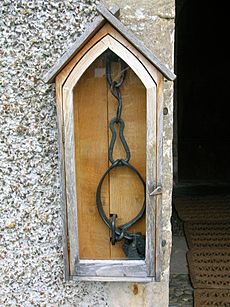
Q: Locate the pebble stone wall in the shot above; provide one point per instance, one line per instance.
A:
(33, 35)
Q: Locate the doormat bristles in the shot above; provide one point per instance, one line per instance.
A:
(209, 268)
(207, 234)
(211, 298)
(208, 210)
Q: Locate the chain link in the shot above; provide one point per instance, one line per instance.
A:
(118, 232)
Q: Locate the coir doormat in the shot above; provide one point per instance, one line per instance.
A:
(207, 234)
(199, 210)
(209, 268)
(211, 298)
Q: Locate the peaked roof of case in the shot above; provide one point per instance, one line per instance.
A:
(111, 17)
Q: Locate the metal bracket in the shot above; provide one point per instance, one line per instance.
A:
(156, 191)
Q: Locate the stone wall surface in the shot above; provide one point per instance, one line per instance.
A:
(33, 35)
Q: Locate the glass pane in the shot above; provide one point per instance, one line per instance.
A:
(122, 193)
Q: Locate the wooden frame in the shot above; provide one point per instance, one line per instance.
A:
(107, 32)
(125, 270)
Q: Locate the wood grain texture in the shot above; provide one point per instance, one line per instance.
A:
(131, 268)
(70, 177)
(149, 77)
(108, 42)
(158, 213)
(91, 148)
(126, 189)
(92, 54)
(113, 279)
(151, 154)
(61, 163)
(153, 72)
(105, 30)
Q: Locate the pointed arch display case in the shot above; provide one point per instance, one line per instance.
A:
(85, 107)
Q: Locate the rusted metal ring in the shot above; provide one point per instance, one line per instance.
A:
(121, 230)
(113, 228)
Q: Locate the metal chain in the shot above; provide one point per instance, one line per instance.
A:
(118, 232)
